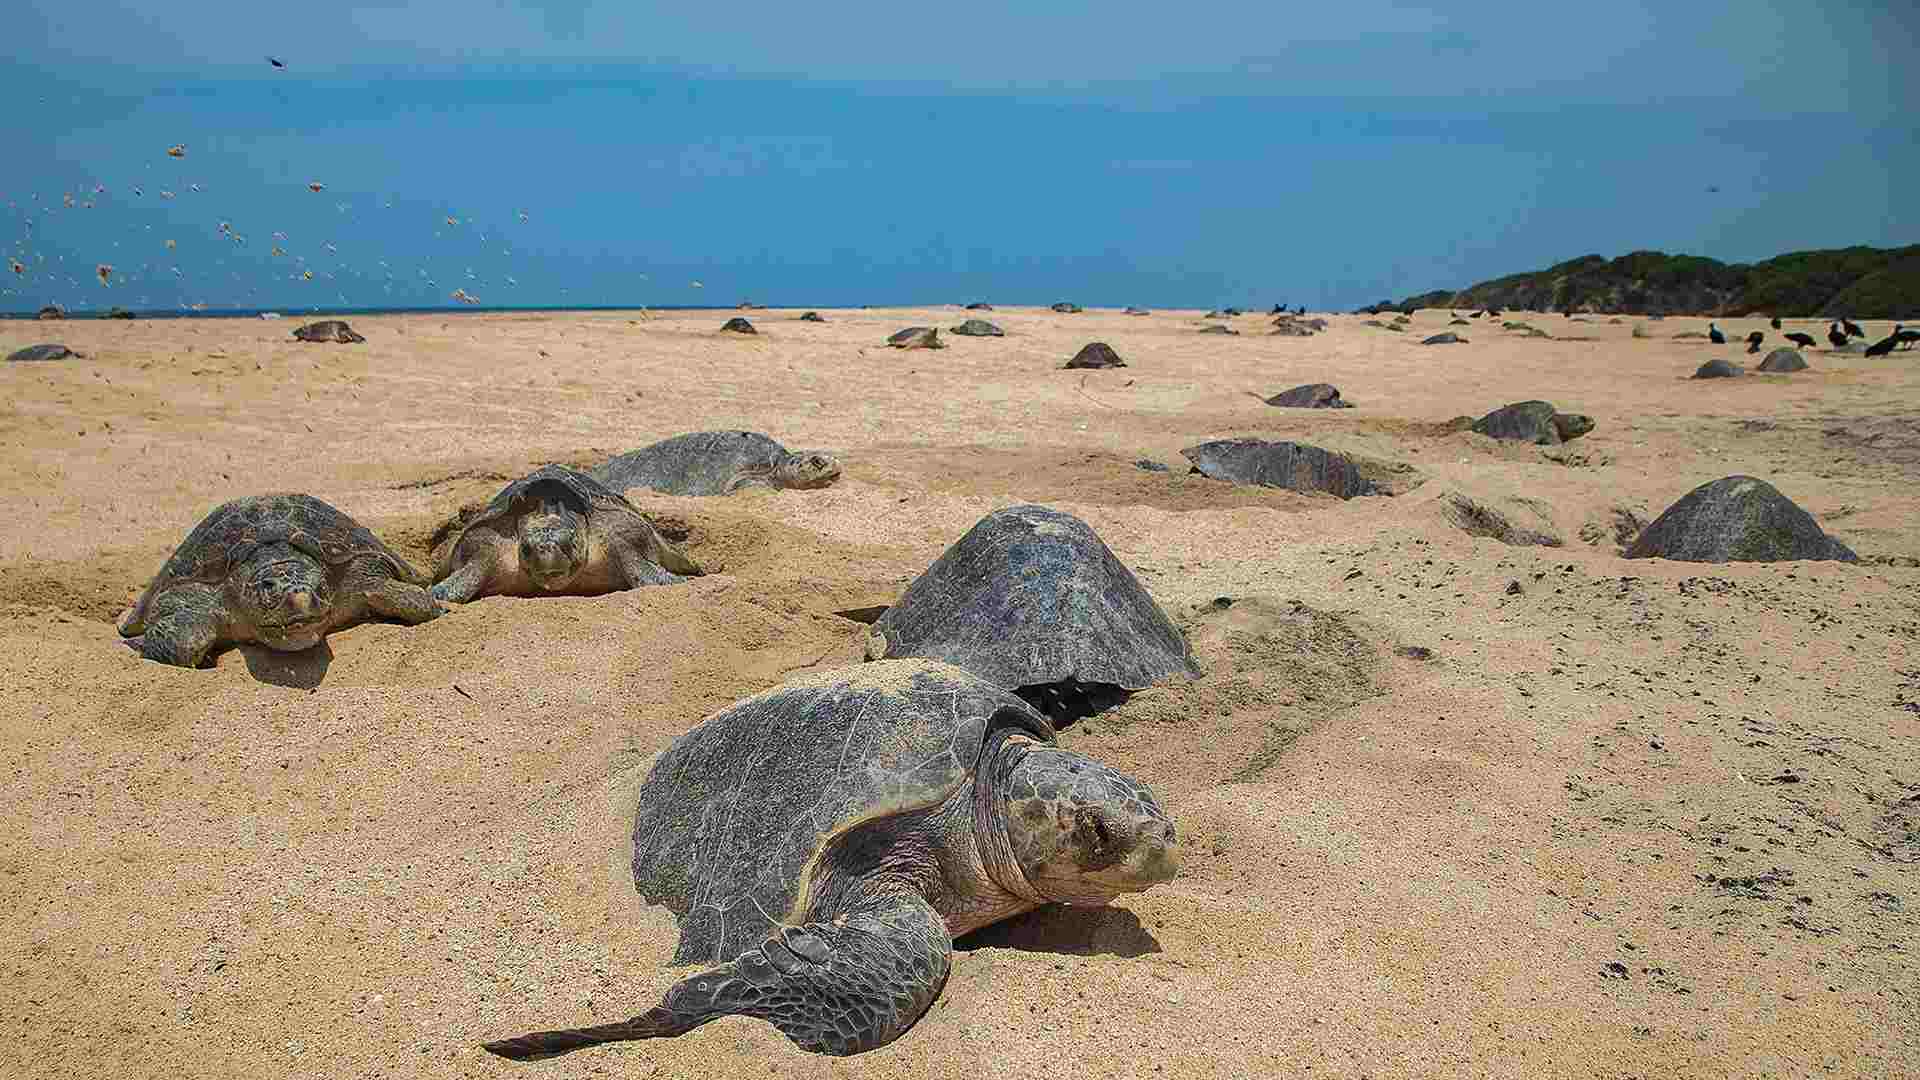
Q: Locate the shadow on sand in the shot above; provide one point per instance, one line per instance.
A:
(1070, 931)
(302, 670)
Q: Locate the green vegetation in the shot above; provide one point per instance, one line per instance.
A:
(1857, 282)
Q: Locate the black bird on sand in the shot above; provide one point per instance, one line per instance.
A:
(1714, 335)
(1836, 336)
(1884, 345)
(1852, 328)
(1776, 322)
(1754, 339)
(1805, 341)
(1492, 314)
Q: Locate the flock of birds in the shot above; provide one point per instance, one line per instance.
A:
(1839, 333)
(155, 240)
(160, 256)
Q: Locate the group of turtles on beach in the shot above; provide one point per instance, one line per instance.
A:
(871, 814)
(285, 570)
(822, 843)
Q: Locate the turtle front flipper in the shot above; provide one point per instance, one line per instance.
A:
(643, 555)
(637, 571)
(839, 987)
(182, 626)
(465, 583)
(411, 604)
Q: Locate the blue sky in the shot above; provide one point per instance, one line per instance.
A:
(1111, 153)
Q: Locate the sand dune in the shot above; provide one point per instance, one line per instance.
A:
(1632, 819)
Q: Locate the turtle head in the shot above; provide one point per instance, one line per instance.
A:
(807, 469)
(1572, 425)
(553, 544)
(1079, 831)
(285, 594)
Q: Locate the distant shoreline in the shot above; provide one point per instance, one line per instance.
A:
(333, 312)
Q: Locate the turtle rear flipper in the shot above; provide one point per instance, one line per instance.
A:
(839, 987)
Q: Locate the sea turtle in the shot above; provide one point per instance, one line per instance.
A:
(1136, 311)
(332, 330)
(916, 337)
(1782, 360)
(1737, 519)
(1031, 600)
(1218, 328)
(51, 312)
(737, 325)
(977, 328)
(1290, 465)
(1067, 309)
(1448, 338)
(716, 463)
(1096, 354)
(825, 841)
(556, 530)
(36, 353)
(1311, 396)
(978, 306)
(812, 316)
(1534, 422)
(1719, 369)
(280, 570)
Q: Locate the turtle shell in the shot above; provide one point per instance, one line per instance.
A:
(1291, 465)
(735, 812)
(1522, 421)
(235, 529)
(583, 491)
(698, 463)
(587, 493)
(1030, 596)
(41, 353)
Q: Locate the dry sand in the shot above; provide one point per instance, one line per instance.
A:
(1638, 819)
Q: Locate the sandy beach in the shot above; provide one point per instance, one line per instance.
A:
(1624, 819)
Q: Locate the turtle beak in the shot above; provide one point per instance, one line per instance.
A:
(1157, 856)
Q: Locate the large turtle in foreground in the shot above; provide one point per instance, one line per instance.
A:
(1032, 601)
(554, 531)
(716, 463)
(824, 842)
(280, 570)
